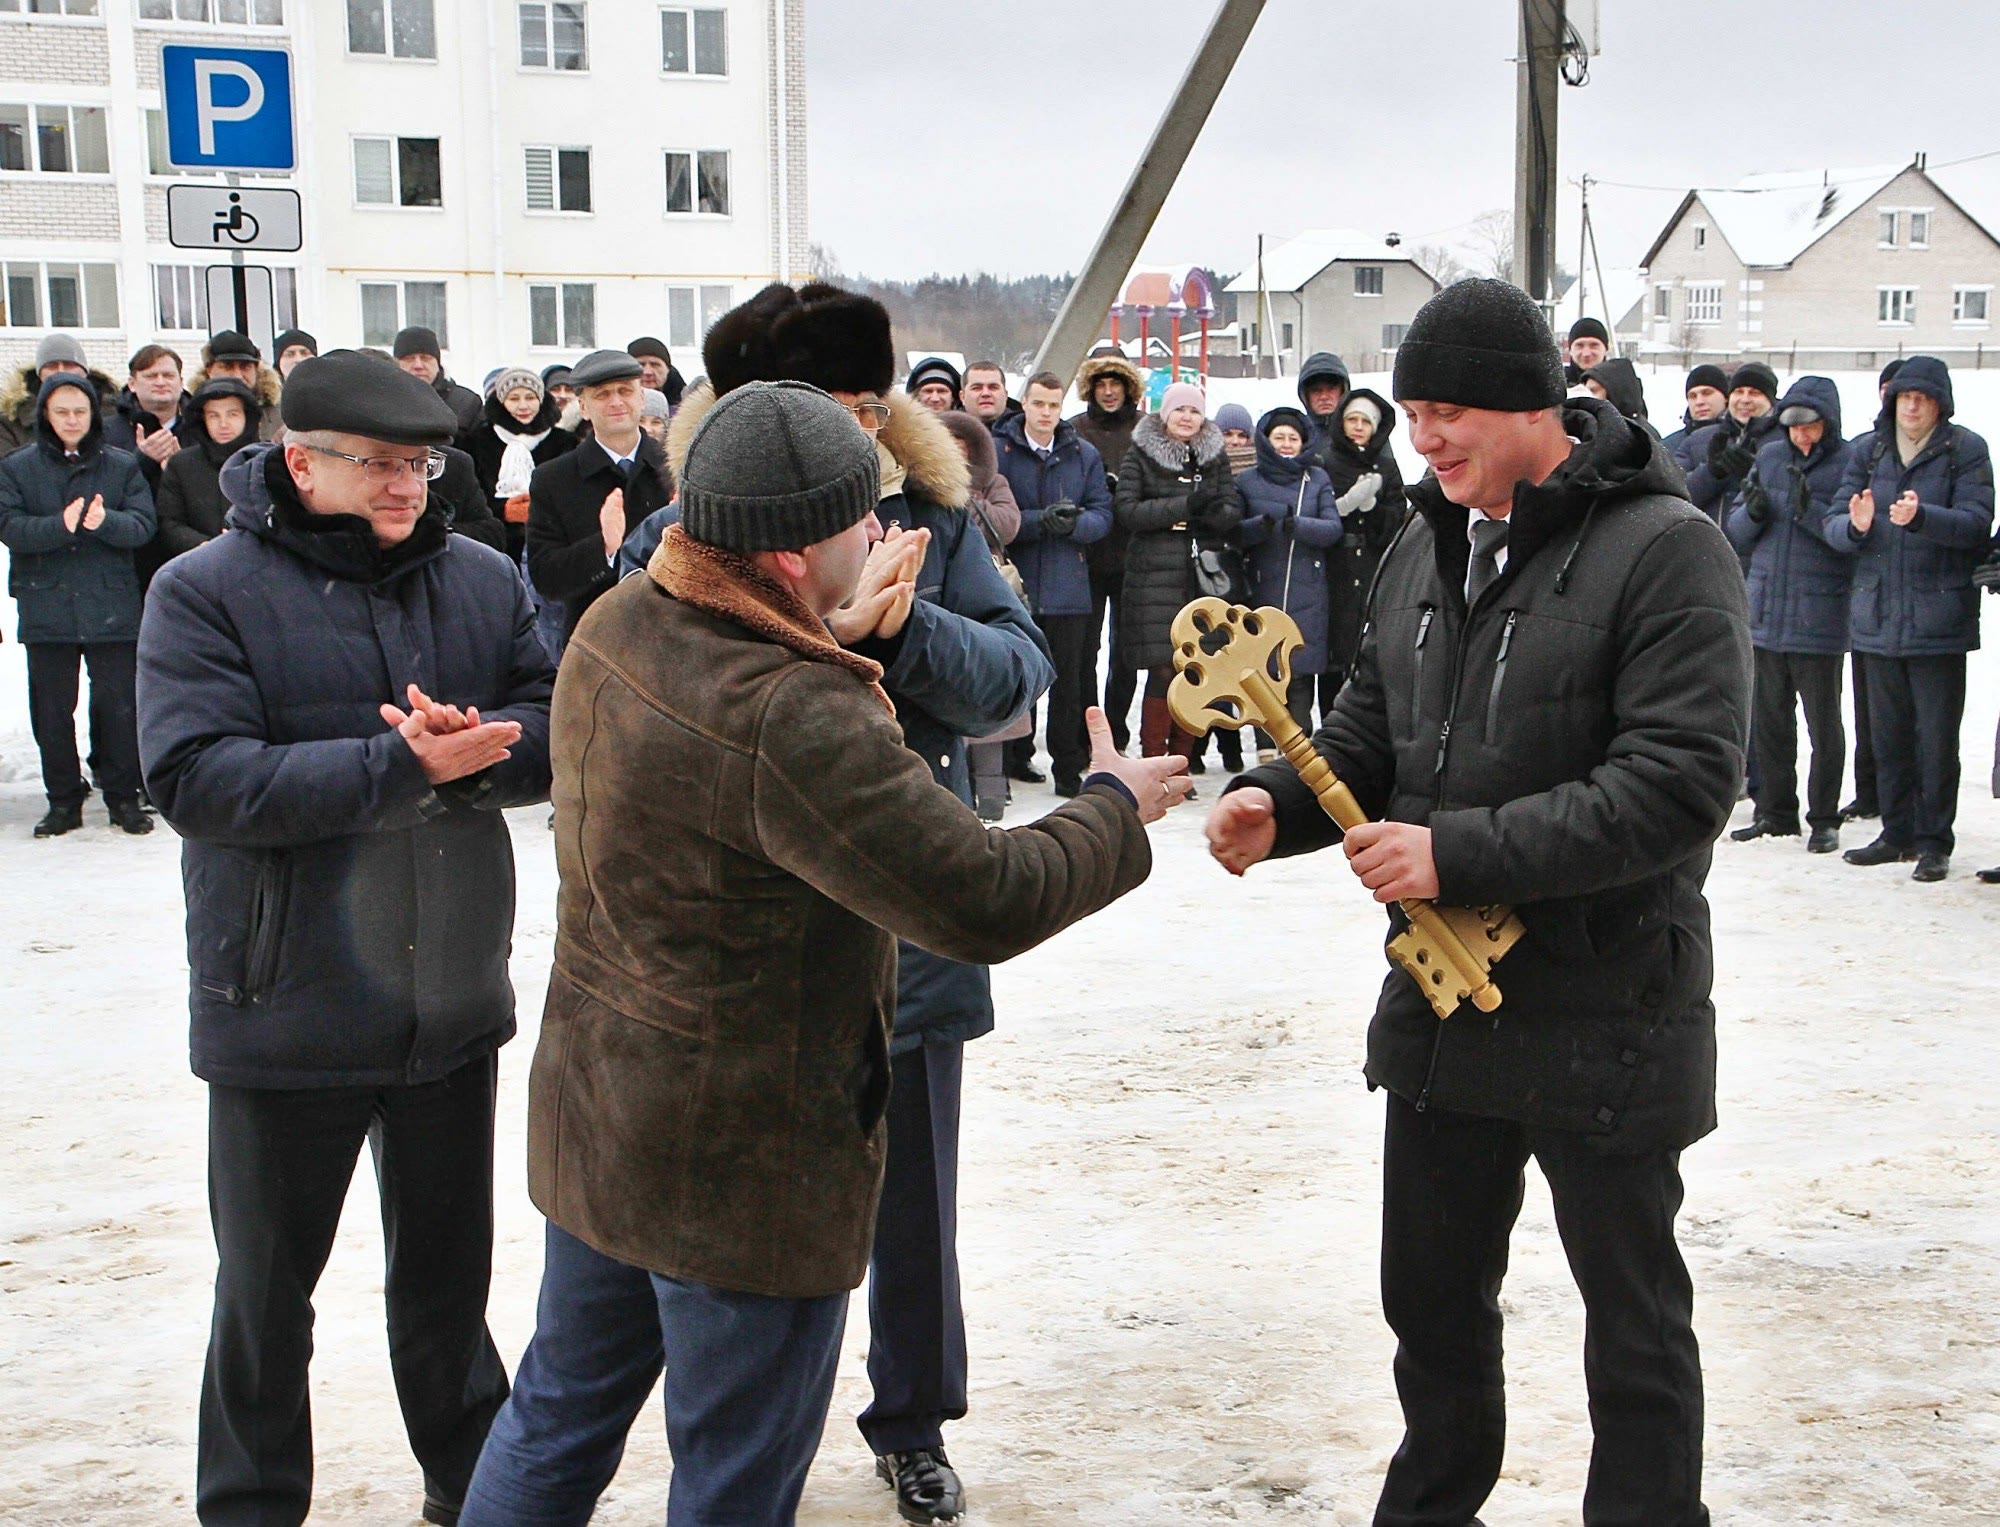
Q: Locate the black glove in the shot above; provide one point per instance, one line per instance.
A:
(1730, 454)
(1987, 574)
(1801, 499)
(1756, 502)
(1059, 518)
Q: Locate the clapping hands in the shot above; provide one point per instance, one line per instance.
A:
(450, 743)
(881, 604)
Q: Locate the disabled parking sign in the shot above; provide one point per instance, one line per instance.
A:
(228, 108)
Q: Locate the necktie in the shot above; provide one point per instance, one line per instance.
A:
(1488, 536)
(624, 469)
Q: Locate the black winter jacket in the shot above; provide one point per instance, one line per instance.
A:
(191, 506)
(1575, 743)
(1350, 566)
(77, 586)
(483, 443)
(1171, 497)
(348, 923)
(565, 544)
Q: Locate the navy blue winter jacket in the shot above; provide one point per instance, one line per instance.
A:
(348, 922)
(1053, 566)
(73, 586)
(1289, 521)
(1913, 593)
(1798, 584)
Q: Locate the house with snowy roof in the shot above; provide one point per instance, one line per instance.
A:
(1830, 269)
(1332, 289)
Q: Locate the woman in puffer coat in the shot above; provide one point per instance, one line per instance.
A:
(220, 420)
(1368, 490)
(1177, 497)
(514, 434)
(1290, 522)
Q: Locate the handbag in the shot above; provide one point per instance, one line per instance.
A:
(1002, 563)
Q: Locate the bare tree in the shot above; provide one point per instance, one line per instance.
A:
(1491, 243)
(823, 263)
(1441, 262)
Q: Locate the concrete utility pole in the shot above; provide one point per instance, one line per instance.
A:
(1537, 83)
(1082, 315)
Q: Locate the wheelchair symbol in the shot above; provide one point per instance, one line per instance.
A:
(239, 226)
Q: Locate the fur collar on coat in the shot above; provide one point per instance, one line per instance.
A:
(1150, 435)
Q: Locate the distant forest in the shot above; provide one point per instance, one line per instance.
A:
(983, 317)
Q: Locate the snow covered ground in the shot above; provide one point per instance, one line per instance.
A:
(1169, 1206)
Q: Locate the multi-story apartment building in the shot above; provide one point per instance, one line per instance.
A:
(531, 178)
(1829, 270)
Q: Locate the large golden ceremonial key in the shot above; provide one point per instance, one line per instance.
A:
(1232, 665)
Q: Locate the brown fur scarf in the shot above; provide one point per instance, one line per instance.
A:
(732, 586)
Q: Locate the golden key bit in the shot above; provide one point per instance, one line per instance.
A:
(1232, 665)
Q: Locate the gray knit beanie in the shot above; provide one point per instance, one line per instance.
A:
(60, 349)
(777, 466)
(1480, 344)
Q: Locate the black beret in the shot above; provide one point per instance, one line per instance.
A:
(417, 340)
(645, 344)
(228, 344)
(356, 394)
(602, 366)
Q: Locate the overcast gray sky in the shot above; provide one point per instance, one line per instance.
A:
(950, 138)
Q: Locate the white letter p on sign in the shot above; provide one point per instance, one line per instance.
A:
(207, 113)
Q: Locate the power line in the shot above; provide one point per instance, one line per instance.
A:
(1632, 185)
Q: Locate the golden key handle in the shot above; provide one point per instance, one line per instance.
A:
(1233, 664)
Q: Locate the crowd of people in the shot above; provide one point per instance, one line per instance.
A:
(809, 624)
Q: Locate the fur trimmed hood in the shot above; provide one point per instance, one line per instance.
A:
(268, 386)
(1150, 435)
(921, 445)
(980, 458)
(24, 389)
(1109, 365)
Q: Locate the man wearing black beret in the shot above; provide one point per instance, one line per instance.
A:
(582, 505)
(336, 701)
(1548, 713)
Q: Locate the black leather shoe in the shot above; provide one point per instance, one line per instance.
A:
(1027, 774)
(926, 1486)
(127, 815)
(1824, 840)
(440, 1512)
(1764, 827)
(1881, 851)
(1858, 810)
(60, 819)
(1069, 789)
(1931, 868)
(1987, 877)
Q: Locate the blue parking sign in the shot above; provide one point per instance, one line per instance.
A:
(228, 108)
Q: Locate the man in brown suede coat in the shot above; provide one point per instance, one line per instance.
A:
(742, 836)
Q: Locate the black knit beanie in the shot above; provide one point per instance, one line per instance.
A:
(1590, 328)
(1888, 373)
(1480, 344)
(1707, 374)
(1755, 374)
(777, 466)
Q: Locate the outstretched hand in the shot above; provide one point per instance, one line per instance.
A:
(1242, 829)
(1157, 784)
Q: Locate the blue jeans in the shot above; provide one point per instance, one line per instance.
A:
(748, 1382)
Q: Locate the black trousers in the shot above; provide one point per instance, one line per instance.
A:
(916, 1321)
(1073, 644)
(1916, 704)
(1787, 682)
(1121, 679)
(1299, 702)
(1864, 745)
(53, 670)
(279, 1163)
(1452, 1187)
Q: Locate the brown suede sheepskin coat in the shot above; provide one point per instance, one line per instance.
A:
(742, 836)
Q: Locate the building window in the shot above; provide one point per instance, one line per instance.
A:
(1286, 330)
(694, 41)
(392, 28)
(1701, 235)
(53, 7)
(1704, 302)
(55, 140)
(698, 181)
(1885, 238)
(558, 179)
(692, 310)
(553, 36)
(1392, 335)
(1663, 301)
(397, 172)
(1367, 280)
(58, 295)
(235, 13)
(180, 298)
(1920, 230)
(562, 316)
(1971, 304)
(1896, 304)
(387, 307)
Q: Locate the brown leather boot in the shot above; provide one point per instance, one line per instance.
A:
(1155, 723)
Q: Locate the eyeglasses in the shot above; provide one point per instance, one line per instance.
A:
(388, 469)
(870, 416)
